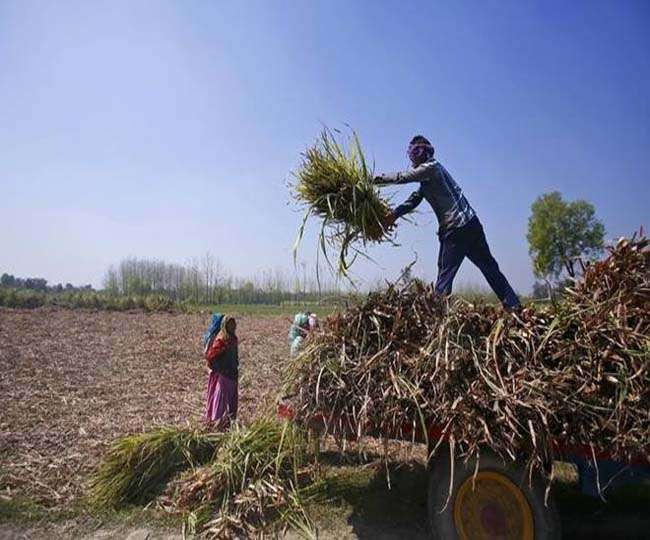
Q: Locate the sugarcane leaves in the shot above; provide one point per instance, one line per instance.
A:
(572, 373)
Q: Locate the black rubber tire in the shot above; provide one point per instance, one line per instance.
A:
(545, 517)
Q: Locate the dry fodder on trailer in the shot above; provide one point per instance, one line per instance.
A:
(576, 373)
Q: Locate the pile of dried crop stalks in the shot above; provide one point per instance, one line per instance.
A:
(251, 481)
(257, 483)
(336, 185)
(576, 373)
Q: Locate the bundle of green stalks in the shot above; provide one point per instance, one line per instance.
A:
(336, 185)
(257, 484)
(137, 467)
(577, 373)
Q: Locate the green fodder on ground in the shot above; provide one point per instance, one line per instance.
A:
(136, 466)
(253, 485)
(242, 482)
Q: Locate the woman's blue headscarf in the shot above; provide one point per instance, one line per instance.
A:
(215, 326)
(299, 327)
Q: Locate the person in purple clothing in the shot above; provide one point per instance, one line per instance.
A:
(222, 360)
(461, 233)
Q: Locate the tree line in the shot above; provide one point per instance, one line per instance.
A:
(152, 284)
(206, 282)
(9, 281)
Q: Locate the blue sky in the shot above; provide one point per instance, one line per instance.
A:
(168, 129)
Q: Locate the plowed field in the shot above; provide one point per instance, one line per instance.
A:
(74, 380)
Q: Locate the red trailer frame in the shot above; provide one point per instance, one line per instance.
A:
(514, 503)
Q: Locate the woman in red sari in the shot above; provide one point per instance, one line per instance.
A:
(222, 357)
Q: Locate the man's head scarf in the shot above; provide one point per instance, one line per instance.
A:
(420, 151)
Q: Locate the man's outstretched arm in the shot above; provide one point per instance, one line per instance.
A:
(421, 173)
(408, 205)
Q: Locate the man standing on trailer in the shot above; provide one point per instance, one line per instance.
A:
(461, 233)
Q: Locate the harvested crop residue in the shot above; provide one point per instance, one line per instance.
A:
(73, 381)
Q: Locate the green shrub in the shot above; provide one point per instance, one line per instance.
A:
(158, 302)
(126, 303)
(30, 299)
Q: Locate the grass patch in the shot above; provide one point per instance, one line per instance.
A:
(367, 492)
(271, 310)
(131, 516)
(565, 472)
(470, 293)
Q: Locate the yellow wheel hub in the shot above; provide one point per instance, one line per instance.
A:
(492, 507)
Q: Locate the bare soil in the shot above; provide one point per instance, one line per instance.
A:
(74, 380)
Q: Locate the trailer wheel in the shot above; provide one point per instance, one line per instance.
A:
(498, 503)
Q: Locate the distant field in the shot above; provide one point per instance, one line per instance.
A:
(470, 293)
(271, 310)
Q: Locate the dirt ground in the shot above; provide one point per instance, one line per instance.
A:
(74, 380)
